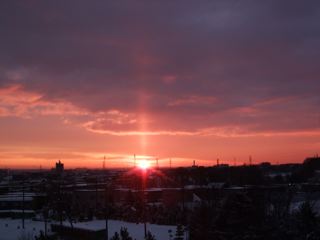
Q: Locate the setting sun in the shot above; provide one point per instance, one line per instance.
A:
(144, 164)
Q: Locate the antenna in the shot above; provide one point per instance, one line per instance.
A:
(104, 163)
(218, 161)
(250, 160)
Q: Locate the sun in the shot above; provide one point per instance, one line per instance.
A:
(144, 164)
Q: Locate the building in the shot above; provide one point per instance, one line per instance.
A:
(59, 167)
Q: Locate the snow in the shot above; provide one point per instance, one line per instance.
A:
(314, 204)
(18, 196)
(91, 190)
(14, 230)
(136, 231)
(15, 199)
(16, 211)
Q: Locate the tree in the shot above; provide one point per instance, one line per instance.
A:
(306, 219)
(150, 236)
(25, 236)
(201, 222)
(179, 233)
(43, 237)
(124, 234)
(115, 236)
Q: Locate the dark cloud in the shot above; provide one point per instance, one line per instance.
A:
(142, 56)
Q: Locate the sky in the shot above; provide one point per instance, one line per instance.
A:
(186, 80)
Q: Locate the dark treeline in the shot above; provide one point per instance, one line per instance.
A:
(250, 216)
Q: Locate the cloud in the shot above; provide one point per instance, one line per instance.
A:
(249, 121)
(15, 101)
(250, 66)
(193, 100)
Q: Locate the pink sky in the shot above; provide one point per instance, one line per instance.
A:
(80, 81)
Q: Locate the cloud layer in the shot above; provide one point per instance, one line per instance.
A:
(132, 68)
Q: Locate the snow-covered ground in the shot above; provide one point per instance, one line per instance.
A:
(11, 229)
(136, 231)
(314, 204)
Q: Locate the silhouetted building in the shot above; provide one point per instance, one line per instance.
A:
(312, 162)
(59, 167)
(265, 164)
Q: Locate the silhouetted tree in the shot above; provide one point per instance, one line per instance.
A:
(179, 233)
(201, 223)
(115, 236)
(150, 236)
(43, 237)
(125, 234)
(306, 219)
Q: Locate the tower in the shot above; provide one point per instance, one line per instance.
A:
(59, 167)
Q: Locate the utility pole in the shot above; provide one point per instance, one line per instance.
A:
(23, 203)
(60, 202)
(96, 195)
(107, 229)
(107, 212)
(45, 216)
(144, 182)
